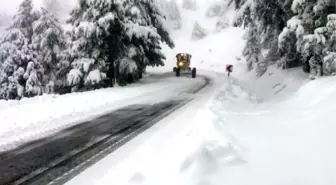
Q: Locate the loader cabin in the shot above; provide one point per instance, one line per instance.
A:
(183, 60)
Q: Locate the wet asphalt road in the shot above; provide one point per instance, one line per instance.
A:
(58, 158)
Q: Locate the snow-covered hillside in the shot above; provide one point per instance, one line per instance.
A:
(212, 52)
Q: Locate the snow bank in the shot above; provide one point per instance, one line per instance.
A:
(291, 141)
(274, 84)
(33, 118)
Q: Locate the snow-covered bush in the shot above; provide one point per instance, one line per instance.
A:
(329, 63)
(20, 70)
(48, 39)
(198, 32)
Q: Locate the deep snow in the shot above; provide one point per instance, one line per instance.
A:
(277, 129)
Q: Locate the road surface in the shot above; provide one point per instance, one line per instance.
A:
(58, 158)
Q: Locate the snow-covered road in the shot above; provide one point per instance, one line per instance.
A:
(155, 156)
(35, 118)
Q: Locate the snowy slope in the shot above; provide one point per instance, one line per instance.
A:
(211, 53)
(290, 141)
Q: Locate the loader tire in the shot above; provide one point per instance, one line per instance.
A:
(178, 72)
(193, 73)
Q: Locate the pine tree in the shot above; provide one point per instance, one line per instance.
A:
(49, 41)
(21, 71)
(145, 31)
(238, 3)
(114, 40)
(290, 42)
(91, 42)
(252, 51)
(329, 61)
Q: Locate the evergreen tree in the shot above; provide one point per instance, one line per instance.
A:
(21, 73)
(112, 36)
(329, 60)
(95, 24)
(252, 51)
(145, 31)
(49, 41)
(238, 3)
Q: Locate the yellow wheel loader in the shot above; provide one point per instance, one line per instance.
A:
(183, 65)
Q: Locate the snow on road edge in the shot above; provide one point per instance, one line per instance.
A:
(34, 118)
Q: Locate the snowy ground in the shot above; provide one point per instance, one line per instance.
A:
(274, 130)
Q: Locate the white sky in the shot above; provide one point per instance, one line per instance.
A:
(10, 6)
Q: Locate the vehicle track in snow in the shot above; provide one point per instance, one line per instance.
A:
(58, 158)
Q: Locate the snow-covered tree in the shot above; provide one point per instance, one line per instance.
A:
(109, 35)
(238, 3)
(331, 32)
(329, 61)
(198, 32)
(189, 4)
(252, 51)
(146, 30)
(287, 43)
(49, 41)
(21, 73)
